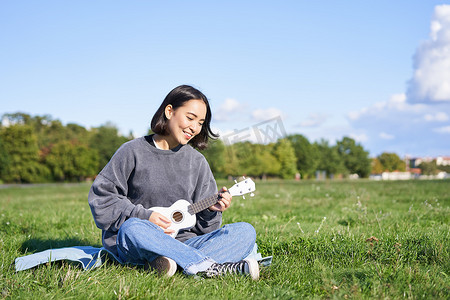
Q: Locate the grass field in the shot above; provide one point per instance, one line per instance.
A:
(330, 239)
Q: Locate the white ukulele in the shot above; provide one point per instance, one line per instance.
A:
(182, 213)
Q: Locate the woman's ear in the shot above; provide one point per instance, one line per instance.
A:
(168, 111)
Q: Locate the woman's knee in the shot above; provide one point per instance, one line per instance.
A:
(133, 228)
(244, 230)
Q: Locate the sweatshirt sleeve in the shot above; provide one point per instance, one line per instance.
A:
(107, 198)
(207, 221)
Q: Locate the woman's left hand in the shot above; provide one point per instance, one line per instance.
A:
(224, 201)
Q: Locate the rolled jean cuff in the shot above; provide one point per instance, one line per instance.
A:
(203, 265)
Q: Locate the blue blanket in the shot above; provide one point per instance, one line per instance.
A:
(90, 257)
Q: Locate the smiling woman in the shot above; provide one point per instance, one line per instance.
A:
(184, 124)
(190, 111)
(156, 171)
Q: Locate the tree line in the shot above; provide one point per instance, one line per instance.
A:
(41, 149)
(290, 157)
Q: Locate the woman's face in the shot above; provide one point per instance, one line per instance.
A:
(186, 121)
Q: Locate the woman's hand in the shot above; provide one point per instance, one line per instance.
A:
(161, 221)
(224, 201)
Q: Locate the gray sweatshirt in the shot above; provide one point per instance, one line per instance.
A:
(140, 176)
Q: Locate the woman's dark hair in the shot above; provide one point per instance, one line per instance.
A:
(177, 97)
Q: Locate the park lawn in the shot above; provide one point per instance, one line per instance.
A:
(329, 239)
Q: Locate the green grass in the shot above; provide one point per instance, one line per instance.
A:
(330, 239)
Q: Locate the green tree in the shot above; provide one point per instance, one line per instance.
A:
(47, 130)
(285, 154)
(106, 140)
(243, 153)
(52, 133)
(260, 161)
(307, 157)
(377, 167)
(391, 162)
(215, 155)
(71, 161)
(20, 144)
(444, 168)
(231, 166)
(17, 118)
(4, 159)
(268, 163)
(429, 168)
(354, 157)
(329, 159)
(75, 132)
(250, 159)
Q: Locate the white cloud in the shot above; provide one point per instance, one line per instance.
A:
(396, 103)
(431, 78)
(266, 114)
(233, 136)
(355, 115)
(6, 122)
(437, 117)
(314, 120)
(399, 126)
(445, 129)
(228, 108)
(360, 138)
(406, 123)
(386, 136)
(231, 105)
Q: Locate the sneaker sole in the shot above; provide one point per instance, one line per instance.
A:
(253, 268)
(164, 266)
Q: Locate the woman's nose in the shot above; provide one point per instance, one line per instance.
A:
(193, 126)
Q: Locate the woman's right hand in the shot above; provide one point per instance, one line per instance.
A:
(161, 221)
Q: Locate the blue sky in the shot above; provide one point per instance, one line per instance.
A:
(376, 71)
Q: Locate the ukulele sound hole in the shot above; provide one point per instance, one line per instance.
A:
(177, 216)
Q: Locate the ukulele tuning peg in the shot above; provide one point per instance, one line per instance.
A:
(252, 195)
(235, 181)
(243, 197)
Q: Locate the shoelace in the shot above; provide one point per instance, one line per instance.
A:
(231, 268)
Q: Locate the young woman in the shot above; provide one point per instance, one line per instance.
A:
(156, 171)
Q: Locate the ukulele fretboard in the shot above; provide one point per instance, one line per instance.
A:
(202, 204)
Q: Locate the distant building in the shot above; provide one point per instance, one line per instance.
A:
(440, 161)
(443, 161)
(413, 170)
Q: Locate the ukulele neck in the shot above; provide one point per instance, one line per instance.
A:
(203, 204)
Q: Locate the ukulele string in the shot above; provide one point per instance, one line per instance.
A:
(205, 203)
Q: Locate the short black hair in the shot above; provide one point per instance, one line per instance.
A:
(177, 97)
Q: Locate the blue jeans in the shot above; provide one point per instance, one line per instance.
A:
(140, 241)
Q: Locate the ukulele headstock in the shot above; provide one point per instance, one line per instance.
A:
(243, 187)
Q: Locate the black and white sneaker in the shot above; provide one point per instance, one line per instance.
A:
(247, 266)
